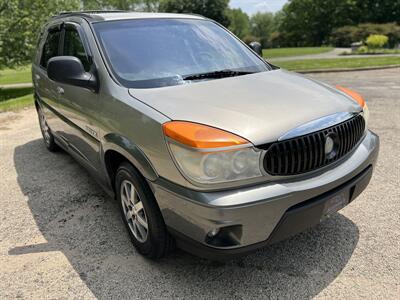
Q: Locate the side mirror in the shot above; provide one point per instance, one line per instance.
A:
(69, 70)
(256, 47)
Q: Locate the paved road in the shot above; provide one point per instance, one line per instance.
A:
(61, 237)
(335, 53)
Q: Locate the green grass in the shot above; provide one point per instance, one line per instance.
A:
(17, 103)
(19, 75)
(285, 52)
(337, 63)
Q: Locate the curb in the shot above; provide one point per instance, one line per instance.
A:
(15, 86)
(346, 69)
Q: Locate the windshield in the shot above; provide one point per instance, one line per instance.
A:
(149, 53)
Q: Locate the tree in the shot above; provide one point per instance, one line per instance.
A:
(239, 22)
(261, 26)
(20, 22)
(378, 11)
(213, 9)
(138, 5)
(310, 22)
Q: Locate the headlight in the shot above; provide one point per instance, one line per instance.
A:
(209, 155)
(359, 99)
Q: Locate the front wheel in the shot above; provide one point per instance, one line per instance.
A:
(48, 137)
(141, 214)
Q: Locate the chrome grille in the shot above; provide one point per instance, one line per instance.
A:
(308, 152)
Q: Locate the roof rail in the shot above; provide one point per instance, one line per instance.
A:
(86, 13)
(90, 12)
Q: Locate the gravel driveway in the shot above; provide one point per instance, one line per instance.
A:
(62, 237)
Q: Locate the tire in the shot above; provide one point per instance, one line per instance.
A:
(153, 242)
(48, 136)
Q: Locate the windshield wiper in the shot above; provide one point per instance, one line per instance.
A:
(216, 74)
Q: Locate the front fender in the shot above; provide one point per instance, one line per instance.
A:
(130, 151)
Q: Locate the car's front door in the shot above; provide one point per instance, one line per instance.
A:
(77, 104)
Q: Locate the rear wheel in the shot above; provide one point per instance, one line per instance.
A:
(48, 137)
(141, 214)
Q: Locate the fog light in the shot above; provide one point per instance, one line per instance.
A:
(224, 236)
(213, 232)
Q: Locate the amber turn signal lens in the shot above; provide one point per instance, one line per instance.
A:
(356, 96)
(201, 136)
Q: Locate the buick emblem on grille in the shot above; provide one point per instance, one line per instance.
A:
(331, 145)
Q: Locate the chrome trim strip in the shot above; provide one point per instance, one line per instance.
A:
(207, 150)
(318, 124)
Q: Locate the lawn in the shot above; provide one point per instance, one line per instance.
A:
(337, 63)
(16, 103)
(285, 52)
(19, 75)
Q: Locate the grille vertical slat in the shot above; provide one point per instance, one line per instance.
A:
(311, 161)
(343, 139)
(284, 164)
(315, 150)
(321, 149)
(293, 156)
(280, 170)
(307, 153)
(348, 139)
(351, 130)
(299, 155)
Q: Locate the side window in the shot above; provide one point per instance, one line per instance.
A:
(50, 47)
(73, 46)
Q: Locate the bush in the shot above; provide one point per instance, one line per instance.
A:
(250, 38)
(10, 93)
(377, 41)
(344, 36)
(362, 50)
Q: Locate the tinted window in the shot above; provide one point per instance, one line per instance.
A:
(159, 52)
(73, 46)
(50, 48)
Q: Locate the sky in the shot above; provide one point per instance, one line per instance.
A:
(253, 6)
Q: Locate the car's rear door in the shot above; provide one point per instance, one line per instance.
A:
(45, 89)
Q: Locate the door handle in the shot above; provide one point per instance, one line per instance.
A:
(60, 90)
(37, 77)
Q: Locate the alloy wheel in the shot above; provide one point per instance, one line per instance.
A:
(134, 211)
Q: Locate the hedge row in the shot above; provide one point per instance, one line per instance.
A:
(10, 93)
(344, 36)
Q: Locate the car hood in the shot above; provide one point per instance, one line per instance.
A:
(260, 107)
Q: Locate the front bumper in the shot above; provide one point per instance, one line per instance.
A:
(252, 217)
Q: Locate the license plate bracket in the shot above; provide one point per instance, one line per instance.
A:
(335, 203)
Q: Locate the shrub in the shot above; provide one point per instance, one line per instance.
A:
(344, 36)
(249, 38)
(377, 41)
(362, 50)
(10, 93)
